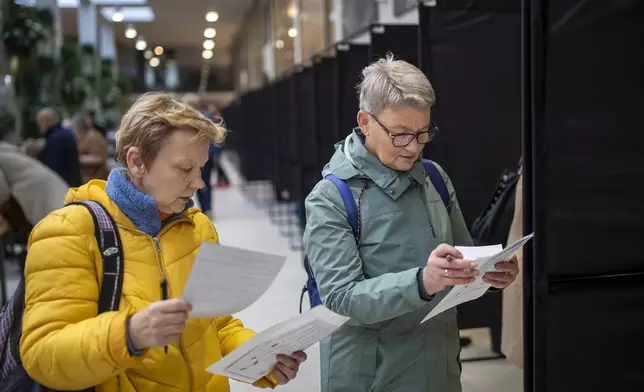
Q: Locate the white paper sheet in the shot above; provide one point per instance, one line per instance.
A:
(486, 258)
(257, 357)
(226, 280)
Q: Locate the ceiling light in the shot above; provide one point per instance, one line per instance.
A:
(154, 62)
(209, 32)
(279, 44)
(130, 32)
(209, 44)
(212, 16)
(148, 54)
(292, 32)
(140, 43)
(291, 12)
(130, 14)
(118, 16)
(158, 50)
(207, 54)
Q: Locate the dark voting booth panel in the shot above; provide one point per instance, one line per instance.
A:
(324, 93)
(400, 40)
(583, 148)
(350, 59)
(471, 52)
(282, 134)
(268, 119)
(305, 105)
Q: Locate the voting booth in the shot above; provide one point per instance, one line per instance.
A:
(471, 52)
(583, 169)
(305, 129)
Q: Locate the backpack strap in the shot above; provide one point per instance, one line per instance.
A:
(437, 180)
(349, 204)
(109, 243)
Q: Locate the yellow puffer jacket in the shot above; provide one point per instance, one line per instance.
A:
(66, 346)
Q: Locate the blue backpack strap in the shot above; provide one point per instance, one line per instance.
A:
(437, 180)
(349, 204)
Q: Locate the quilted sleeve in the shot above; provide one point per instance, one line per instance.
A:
(65, 345)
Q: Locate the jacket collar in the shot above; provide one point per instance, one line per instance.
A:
(140, 208)
(352, 159)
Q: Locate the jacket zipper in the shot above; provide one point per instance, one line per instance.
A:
(164, 280)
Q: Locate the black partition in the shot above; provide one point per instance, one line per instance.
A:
(305, 121)
(269, 128)
(583, 145)
(400, 40)
(293, 153)
(324, 95)
(281, 134)
(471, 52)
(350, 59)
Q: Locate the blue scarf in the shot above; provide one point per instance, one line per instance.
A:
(140, 208)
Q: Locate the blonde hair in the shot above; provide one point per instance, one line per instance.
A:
(153, 118)
(394, 83)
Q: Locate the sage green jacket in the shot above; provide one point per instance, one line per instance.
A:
(383, 348)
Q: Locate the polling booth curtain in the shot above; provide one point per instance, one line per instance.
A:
(471, 52)
(350, 59)
(399, 40)
(583, 131)
(325, 108)
(294, 156)
(268, 119)
(282, 133)
(305, 129)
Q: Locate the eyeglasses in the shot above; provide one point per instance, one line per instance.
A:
(403, 139)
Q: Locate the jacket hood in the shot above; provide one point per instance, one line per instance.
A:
(352, 160)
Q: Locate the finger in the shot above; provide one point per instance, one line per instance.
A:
(173, 329)
(173, 318)
(463, 274)
(506, 266)
(174, 305)
(444, 249)
(287, 372)
(458, 264)
(288, 362)
(300, 356)
(500, 276)
(280, 377)
(171, 338)
(495, 283)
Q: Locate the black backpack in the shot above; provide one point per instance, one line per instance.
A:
(493, 225)
(13, 376)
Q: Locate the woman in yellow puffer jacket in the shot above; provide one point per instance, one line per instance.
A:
(65, 345)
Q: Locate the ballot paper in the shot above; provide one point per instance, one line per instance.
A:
(226, 280)
(258, 356)
(486, 257)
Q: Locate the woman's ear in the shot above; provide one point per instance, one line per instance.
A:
(363, 122)
(134, 164)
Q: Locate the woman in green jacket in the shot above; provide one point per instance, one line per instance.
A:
(405, 261)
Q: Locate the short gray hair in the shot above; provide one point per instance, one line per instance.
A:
(391, 83)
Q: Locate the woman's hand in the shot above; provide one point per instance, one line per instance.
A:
(160, 324)
(506, 272)
(287, 367)
(446, 267)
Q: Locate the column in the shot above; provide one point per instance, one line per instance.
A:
(88, 36)
(52, 48)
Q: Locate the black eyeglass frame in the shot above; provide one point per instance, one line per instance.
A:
(431, 133)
